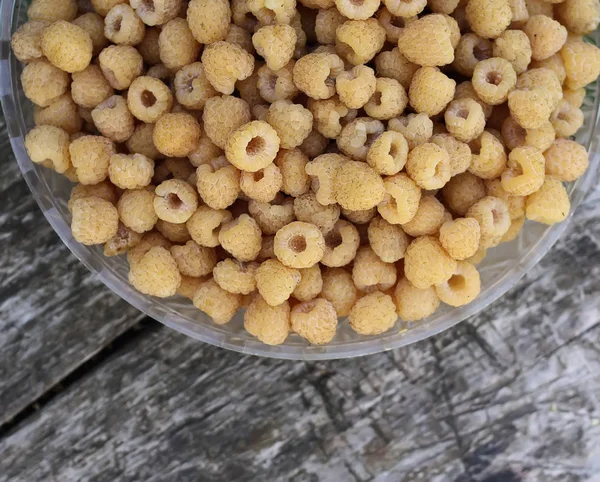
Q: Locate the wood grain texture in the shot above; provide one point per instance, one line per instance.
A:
(54, 314)
(511, 395)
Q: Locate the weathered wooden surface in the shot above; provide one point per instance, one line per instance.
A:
(53, 314)
(511, 395)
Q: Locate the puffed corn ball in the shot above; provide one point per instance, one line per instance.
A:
(431, 91)
(373, 314)
(493, 217)
(94, 220)
(270, 324)
(241, 237)
(226, 63)
(460, 237)
(414, 304)
(52, 10)
(550, 204)
(427, 41)
(315, 74)
(292, 122)
(216, 302)
(401, 199)
(566, 160)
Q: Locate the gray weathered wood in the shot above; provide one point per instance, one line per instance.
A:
(53, 314)
(510, 395)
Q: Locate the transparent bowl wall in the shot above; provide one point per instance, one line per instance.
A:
(499, 271)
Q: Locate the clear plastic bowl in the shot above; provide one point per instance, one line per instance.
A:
(502, 268)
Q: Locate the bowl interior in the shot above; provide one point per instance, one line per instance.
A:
(500, 270)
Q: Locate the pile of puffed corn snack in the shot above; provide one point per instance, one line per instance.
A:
(314, 160)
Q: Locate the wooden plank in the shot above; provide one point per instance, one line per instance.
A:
(54, 314)
(511, 395)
